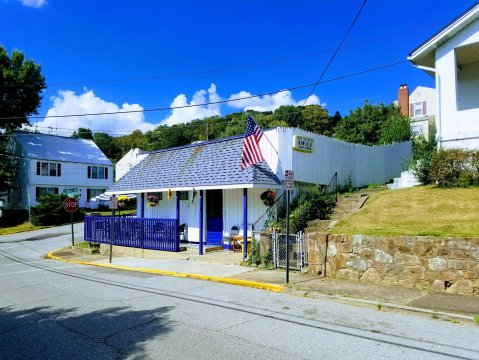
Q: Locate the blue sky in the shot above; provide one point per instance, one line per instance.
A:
(264, 45)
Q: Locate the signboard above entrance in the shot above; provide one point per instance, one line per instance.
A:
(303, 143)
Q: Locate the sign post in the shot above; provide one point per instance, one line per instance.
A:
(288, 186)
(113, 206)
(71, 205)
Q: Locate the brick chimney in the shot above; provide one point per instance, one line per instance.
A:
(403, 99)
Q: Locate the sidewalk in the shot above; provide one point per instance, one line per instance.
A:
(223, 266)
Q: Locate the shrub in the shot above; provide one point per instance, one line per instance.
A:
(423, 150)
(310, 204)
(455, 168)
(50, 211)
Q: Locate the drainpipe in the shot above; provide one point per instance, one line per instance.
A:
(245, 223)
(438, 100)
(200, 225)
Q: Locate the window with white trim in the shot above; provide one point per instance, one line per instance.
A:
(91, 193)
(97, 172)
(183, 195)
(41, 191)
(417, 130)
(418, 108)
(45, 168)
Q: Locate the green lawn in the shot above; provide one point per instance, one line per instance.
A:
(26, 226)
(421, 210)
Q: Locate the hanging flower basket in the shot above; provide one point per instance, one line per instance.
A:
(152, 200)
(123, 201)
(268, 197)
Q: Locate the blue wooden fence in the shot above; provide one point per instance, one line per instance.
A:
(156, 234)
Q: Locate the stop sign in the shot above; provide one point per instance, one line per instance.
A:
(71, 205)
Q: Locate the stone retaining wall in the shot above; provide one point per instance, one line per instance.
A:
(447, 264)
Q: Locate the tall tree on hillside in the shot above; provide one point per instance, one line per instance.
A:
(134, 140)
(373, 125)
(107, 145)
(21, 84)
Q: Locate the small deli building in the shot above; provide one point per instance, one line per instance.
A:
(199, 192)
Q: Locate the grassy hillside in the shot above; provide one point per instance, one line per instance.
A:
(423, 210)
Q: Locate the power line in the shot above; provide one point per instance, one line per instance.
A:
(231, 68)
(213, 102)
(336, 51)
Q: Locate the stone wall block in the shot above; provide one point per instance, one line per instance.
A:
(449, 276)
(422, 247)
(444, 251)
(399, 258)
(371, 275)
(464, 287)
(390, 280)
(347, 274)
(416, 272)
(437, 264)
(475, 253)
(339, 261)
(359, 265)
(332, 249)
(461, 265)
(382, 256)
(394, 270)
(367, 254)
(460, 254)
(460, 244)
(345, 247)
(357, 240)
(370, 241)
(438, 285)
(387, 244)
(466, 274)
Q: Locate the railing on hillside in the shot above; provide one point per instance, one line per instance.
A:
(155, 234)
(332, 187)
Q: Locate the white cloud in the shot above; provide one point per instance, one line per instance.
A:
(34, 3)
(269, 102)
(184, 115)
(67, 102)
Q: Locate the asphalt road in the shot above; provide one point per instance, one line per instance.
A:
(56, 310)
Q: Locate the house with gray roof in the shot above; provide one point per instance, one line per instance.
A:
(203, 187)
(50, 164)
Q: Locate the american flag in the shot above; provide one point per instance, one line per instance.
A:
(251, 150)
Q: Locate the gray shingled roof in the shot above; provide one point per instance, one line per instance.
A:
(214, 163)
(60, 148)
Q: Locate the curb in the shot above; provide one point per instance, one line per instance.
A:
(247, 283)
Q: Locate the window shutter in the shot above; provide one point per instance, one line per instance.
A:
(89, 172)
(37, 192)
(106, 173)
(56, 191)
(38, 167)
(424, 108)
(59, 169)
(411, 110)
(87, 194)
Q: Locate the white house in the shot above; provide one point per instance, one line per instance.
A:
(49, 164)
(420, 106)
(131, 158)
(452, 57)
(202, 185)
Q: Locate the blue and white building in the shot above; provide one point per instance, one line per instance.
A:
(203, 187)
(49, 164)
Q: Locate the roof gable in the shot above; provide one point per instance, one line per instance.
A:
(215, 163)
(60, 148)
(424, 54)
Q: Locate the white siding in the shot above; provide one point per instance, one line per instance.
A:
(456, 122)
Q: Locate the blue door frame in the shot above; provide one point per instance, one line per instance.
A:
(214, 217)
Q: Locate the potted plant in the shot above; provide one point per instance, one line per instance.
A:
(152, 200)
(268, 197)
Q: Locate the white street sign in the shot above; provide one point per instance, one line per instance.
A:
(289, 180)
(113, 203)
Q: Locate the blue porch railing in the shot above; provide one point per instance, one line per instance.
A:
(155, 234)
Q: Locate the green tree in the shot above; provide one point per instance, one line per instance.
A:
(21, 85)
(83, 133)
(370, 125)
(107, 145)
